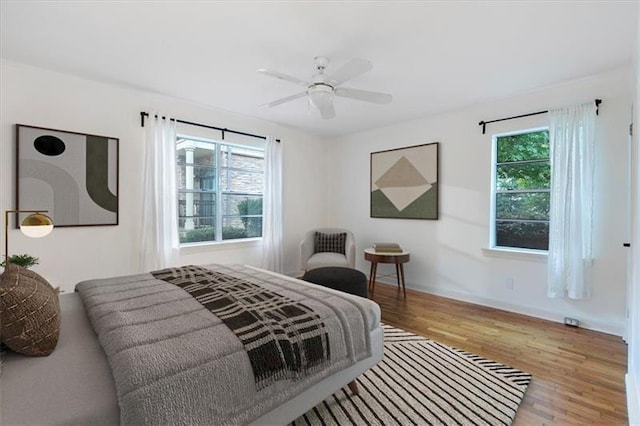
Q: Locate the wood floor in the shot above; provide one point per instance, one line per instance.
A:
(578, 374)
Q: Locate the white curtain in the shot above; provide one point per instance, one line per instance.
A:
(569, 261)
(272, 207)
(160, 245)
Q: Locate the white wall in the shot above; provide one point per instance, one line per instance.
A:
(633, 296)
(42, 98)
(446, 255)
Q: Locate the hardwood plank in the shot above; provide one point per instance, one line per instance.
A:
(578, 374)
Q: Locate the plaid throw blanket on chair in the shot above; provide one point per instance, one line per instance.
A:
(283, 338)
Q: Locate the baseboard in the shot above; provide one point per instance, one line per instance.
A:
(633, 398)
(294, 274)
(601, 326)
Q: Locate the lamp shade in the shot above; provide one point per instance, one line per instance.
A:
(36, 225)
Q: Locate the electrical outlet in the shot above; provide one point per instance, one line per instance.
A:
(572, 322)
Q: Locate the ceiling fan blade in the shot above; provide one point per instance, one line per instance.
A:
(283, 100)
(351, 69)
(282, 76)
(363, 95)
(327, 112)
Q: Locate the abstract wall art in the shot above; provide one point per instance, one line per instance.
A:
(404, 182)
(72, 175)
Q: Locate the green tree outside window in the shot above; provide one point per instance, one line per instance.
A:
(522, 192)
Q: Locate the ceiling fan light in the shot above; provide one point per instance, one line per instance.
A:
(321, 99)
(320, 95)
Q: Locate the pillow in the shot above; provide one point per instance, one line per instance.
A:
(29, 312)
(333, 243)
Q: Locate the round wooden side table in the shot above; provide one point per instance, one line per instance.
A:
(399, 259)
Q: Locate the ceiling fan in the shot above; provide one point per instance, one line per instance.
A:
(322, 87)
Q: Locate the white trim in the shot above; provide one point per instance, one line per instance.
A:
(184, 140)
(615, 328)
(492, 189)
(294, 274)
(518, 254)
(198, 247)
(633, 398)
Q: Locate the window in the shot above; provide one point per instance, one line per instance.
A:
(521, 190)
(220, 187)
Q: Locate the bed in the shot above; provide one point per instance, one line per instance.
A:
(86, 380)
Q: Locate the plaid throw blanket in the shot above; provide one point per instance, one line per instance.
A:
(284, 339)
(175, 362)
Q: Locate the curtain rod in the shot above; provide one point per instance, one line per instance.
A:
(484, 123)
(223, 130)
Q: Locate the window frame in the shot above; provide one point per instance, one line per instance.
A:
(494, 192)
(218, 191)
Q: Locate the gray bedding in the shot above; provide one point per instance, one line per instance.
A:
(166, 350)
(72, 386)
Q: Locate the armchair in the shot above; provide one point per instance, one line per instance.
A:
(310, 259)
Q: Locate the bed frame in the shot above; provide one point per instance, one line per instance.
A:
(74, 384)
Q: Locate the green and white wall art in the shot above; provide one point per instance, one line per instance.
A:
(404, 182)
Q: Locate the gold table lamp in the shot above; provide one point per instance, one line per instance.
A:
(36, 225)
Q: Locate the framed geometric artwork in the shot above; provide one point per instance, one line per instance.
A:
(404, 182)
(74, 176)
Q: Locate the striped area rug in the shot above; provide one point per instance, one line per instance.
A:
(423, 382)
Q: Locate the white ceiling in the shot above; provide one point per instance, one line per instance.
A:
(432, 56)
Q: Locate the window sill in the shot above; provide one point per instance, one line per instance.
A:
(522, 254)
(219, 245)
